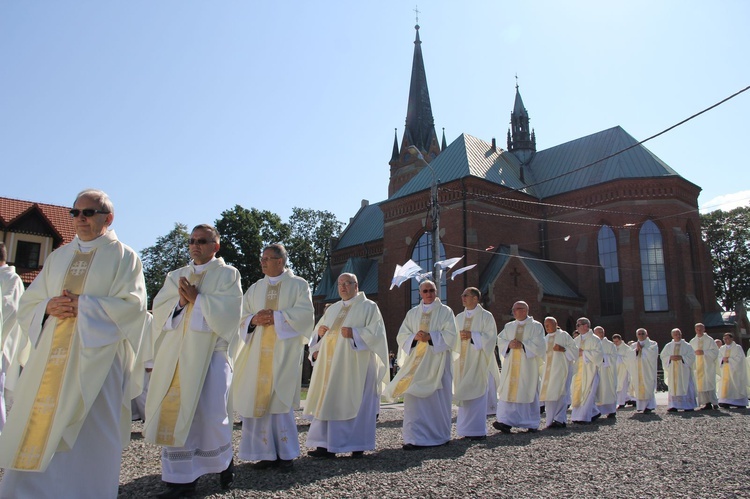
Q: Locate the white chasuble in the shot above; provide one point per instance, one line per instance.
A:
(293, 325)
(606, 392)
(705, 365)
(642, 368)
(557, 366)
(474, 359)
(587, 368)
(338, 380)
(732, 369)
(677, 373)
(71, 358)
(422, 365)
(184, 344)
(519, 378)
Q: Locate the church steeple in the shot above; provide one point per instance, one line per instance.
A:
(521, 139)
(419, 130)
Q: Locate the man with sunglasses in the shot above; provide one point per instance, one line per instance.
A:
(277, 322)
(83, 316)
(350, 373)
(522, 348)
(425, 379)
(196, 316)
(586, 379)
(642, 370)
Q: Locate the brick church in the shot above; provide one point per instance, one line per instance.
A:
(597, 227)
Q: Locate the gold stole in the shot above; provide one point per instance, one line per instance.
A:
(725, 374)
(38, 427)
(170, 406)
(421, 349)
(264, 383)
(699, 367)
(641, 395)
(329, 343)
(547, 367)
(464, 345)
(676, 367)
(515, 365)
(578, 380)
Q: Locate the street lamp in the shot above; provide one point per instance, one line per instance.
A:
(435, 212)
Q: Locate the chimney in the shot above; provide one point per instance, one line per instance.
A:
(494, 145)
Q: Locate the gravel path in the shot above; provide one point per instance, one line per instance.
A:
(700, 454)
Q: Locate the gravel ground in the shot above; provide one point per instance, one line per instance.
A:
(656, 455)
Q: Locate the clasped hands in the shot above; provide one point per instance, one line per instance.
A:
(346, 332)
(188, 292)
(64, 306)
(263, 318)
(422, 336)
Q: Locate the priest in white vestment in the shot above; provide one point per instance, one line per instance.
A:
(350, 374)
(677, 361)
(83, 317)
(643, 369)
(625, 354)
(425, 379)
(475, 373)
(277, 322)
(522, 348)
(732, 370)
(11, 289)
(585, 381)
(606, 393)
(557, 371)
(706, 355)
(196, 317)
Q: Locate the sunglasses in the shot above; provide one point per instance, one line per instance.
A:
(198, 241)
(428, 291)
(88, 212)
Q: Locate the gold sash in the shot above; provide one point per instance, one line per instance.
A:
(38, 427)
(725, 375)
(676, 368)
(578, 380)
(515, 366)
(547, 368)
(329, 343)
(170, 406)
(264, 383)
(699, 367)
(464, 346)
(421, 349)
(641, 395)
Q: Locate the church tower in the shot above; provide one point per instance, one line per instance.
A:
(419, 130)
(521, 138)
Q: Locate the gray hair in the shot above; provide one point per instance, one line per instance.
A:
(279, 250)
(99, 197)
(208, 228)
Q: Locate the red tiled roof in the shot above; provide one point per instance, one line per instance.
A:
(57, 216)
(28, 275)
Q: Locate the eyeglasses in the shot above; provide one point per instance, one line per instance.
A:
(199, 241)
(264, 259)
(87, 212)
(581, 324)
(428, 291)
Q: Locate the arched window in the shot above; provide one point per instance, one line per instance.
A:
(653, 273)
(609, 280)
(422, 256)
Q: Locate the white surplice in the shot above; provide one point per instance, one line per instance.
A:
(642, 368)
(705, 369)
(731, 366)
(606, 392)
(11, 289)
(625, 354)
(678, 375)
(557, 371)
(585, 381)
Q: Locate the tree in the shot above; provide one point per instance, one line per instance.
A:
(309, 243)
(244, 233)
(727, 234)
(169, 253)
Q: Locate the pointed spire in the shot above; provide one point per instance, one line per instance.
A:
(419, 120)
(395, 153)
(521, 141)
(444, 143)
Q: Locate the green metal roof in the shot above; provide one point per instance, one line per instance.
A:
(367, 225)
(366, 271)
(553, 282)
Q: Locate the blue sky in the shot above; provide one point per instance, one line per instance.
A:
(182, 109)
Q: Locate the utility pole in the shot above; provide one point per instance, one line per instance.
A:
(435, 213)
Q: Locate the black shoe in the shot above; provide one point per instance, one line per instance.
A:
(630, 402)
(358, 454)
(501, 426)
(688, 410)
(541, 410)
(647, 411)
(284, 465)
(725, 406)
(671, 409)
(707, 407)
(412, 447)
(612, 415)
(557, 424)
(263, 465)
(581, 422)
(321, 452)
(531, 430)
(177, 490)
(594, 418)
(621, 406)
(226, 477)
(475, 438)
